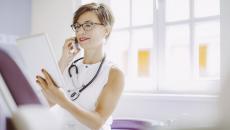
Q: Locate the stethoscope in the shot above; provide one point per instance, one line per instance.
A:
(75, 93)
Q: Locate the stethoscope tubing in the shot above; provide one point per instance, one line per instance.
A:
(73, 65)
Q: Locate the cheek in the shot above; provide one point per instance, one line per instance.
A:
(97, 36)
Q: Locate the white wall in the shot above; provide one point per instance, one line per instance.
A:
(179, 110)
(225, 37)
(225, 63)
(15, 20)
(53, 17)
(15, 17)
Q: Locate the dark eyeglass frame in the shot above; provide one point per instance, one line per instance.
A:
(76, 27)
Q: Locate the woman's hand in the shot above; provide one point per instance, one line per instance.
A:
(68, 52)
(50, 89)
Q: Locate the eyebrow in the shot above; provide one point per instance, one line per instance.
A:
(85, 22)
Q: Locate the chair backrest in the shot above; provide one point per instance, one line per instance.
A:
(16, 82)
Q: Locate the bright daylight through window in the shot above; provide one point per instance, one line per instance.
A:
(167, 46)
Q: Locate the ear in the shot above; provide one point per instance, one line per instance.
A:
(107, 30)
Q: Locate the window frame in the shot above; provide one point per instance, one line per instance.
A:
(158, 51)
(203, 86)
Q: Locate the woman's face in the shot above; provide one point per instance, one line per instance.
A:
(93, 34)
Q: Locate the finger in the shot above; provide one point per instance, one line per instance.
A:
(70, 47)
(77, 50)
(41, 82)
(42, 87)
(71, 38)
(68, 41)
(49, 78)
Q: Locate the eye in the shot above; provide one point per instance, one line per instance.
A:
(88, 25)
(77, 26)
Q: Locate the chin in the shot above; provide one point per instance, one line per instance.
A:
(85, 45)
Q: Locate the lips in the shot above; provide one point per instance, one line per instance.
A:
(81, 39)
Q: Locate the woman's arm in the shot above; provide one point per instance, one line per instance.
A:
(50, 103)
(105, 104)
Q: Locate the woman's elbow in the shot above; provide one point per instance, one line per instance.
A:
(98, 124)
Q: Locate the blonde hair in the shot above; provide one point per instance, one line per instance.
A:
(102, 11)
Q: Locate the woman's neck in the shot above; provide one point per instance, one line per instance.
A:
(93, 56)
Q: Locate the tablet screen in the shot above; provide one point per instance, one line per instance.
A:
(37, 53)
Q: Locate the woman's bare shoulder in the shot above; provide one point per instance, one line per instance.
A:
(116, 77)
(116, 72)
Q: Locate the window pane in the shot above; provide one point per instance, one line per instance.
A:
(140, 76)
(118, 49)
(178, 63)
(121, 10)
(143, 38)
(207, 39)
(142, 12)
(177, 35)
(177, 10)
(178, 60)
(142, 79)
(205, 8)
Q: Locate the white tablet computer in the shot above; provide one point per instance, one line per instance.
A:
(37, 53)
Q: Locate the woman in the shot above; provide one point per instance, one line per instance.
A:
(92, 105)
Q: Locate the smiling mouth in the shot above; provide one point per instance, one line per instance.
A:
(83, 39)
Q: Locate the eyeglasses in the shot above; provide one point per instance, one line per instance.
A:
(87, 26)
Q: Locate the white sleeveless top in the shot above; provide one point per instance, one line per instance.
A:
(88, 97)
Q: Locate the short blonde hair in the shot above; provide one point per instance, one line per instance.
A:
(102, 11)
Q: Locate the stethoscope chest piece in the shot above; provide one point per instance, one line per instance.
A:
(73, 94)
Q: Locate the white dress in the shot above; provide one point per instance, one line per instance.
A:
(88, 97)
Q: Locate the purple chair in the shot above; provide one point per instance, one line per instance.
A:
(131, 124)
(18, 86)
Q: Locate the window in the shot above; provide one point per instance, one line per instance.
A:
(167, 46)
(191, 45)
(128, 42)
